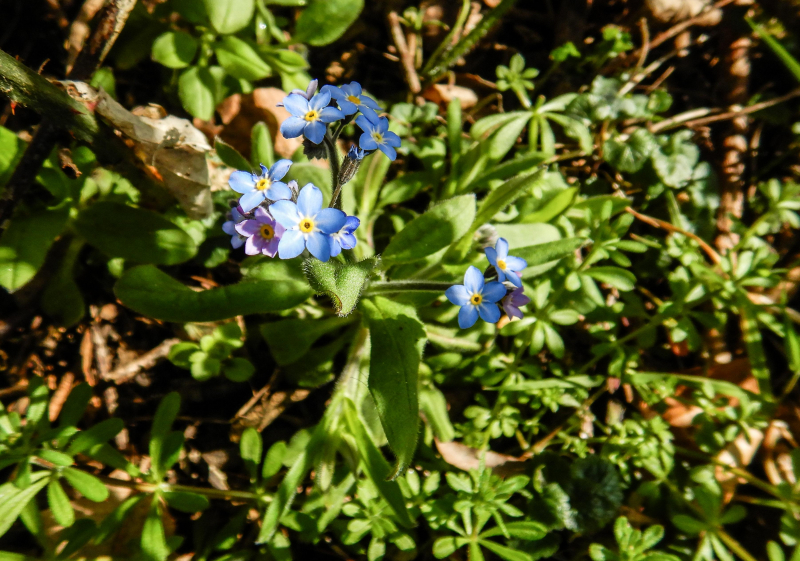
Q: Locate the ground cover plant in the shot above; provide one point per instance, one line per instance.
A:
(292, 279)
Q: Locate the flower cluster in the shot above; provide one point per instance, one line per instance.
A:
(478, 298)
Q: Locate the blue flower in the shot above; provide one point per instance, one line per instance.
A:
(476, 298)
(344, 238)
(229, 227)
(356, 153)
(257, 188)
(309, 116)
(308, 225)
(377, 134)
(350, 98)
(507, 266)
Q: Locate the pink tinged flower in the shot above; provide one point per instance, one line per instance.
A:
(262, 232)
(235, 216)
(512, 302)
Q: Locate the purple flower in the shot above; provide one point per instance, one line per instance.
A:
(356, 153)
(350, 98)
(377, 135)
(507, 266)
(476, 298)
(255, 189)
(308, 225)
(235, 216)
(512, 301)
(344, 238)
(309, 116)
(262, 232)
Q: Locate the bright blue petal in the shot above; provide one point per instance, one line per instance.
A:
(355, 89)
(390, 152)
(251, 200)
(371, 103)
(314, 131)
(329, 220)
(392, 139)
(242, 182)
(489, 313)
(296, 104)
(334, 92)
(491, 255)
(317, 244)
(352, 223)
(502, 248)
(366, 142)
(382, 125)
(331, 114)
(501, 275)
(229, 228)
(369, 115)
(292, 244)
(279, 191)
(293, 127)
(515, 263)
(336, 247)
(309, 201)
(285, 213)
(279, 169)
(347, 241)
(347, 107)
(513, 278)
(457, 294)
(322, 99)
(473, 279)
(467, 316)
(237, 242)
(365, 124)
(493, 292)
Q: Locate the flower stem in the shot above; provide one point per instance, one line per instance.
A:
(391, 287)
(333, 158)
(228, 494)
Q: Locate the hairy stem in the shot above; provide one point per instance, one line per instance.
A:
(333, 158)
(393, 287)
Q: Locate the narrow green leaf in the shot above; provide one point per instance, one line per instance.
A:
(523, 530)
(75, 405)
(59, 504)
(96, 436)
(186, 502)
(620, 279)
(546, 252)
(230, 157)
(553, 208)
(755, 350)
(62, 299)
(86, 484)
(55, 457)
(154, 542)
(506, 553)
(394, 363)
(250, 448)
(16, 500)
(162, 422)
(262, 151)
(433, 405)
(787, 59)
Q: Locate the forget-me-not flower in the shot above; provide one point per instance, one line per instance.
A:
(257, 188)
(512, 301)
(309, 116)
(476, 298)
(506, 265)
(262, 232)
(344, 238)
(308, 225)
(350, 98)
(229, 227)
(377, 135)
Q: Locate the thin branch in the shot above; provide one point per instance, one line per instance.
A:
(710, 251)
(406, 54)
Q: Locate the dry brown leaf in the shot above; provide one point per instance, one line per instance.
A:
(444, 94)
(466, 458)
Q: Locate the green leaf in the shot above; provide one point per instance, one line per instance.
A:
(96, 436)
(687, 524)
(523, 530)
(11, 148)
(154, 542)
(262, 151)
(155, 294)
(238, 369)
(86, 484)
(230, 157)
(447, 545)
(290, 339)
(240, 60)
(434, 405)
(251, 451)
(174, 49)
(787, 59)
(59, 504)
(375, 466)
(434, 230)
(630, 155)
(197, 89)
(324, 21)
(342, 283)
(55, 457)
(675, 162)
(162, 422)
(134, 234)
(553, 208)
(620, 279)
(394, 363)
(186, 502)
(503, 140)
(274, 459)
(283, 60)
(15, 500)
(25, 244)
(551, 251)
(170, 452)
(62, 299)
(506, 553)
(75, 405)
(229, 16)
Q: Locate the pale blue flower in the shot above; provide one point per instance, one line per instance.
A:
(476, 298)
(255, 189)
(235, 216)
(308, 225)
(309, 116)
(344, 238)
(377, 135)
(350, 98)
(507, 266)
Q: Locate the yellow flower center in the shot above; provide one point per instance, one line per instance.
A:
(501, 264)
(353, 99)
(312, 116)
(377, 137)
(476, 299)
(263, 184)
(267, 232)
(306, 225)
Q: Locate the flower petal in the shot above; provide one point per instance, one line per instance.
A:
(347, 107)
(489, 313)
(279, 169)
(309, 201)
(314, 131)
(511, 310)
(331, 114)
(237, 242)
(491, 256)
(473, 280)
(348, 241)
(355, 89)
(351, 224)
(392, 139)
(322, 99)
(515, 263)
(335, 93)
(493, 292)
(271, 248)
(285, 213)
(369, 115)
(251, 200)
(513, 278)
(366, 142)
(467, 316)
(296, 104)
(317, 243)
(329, 220)
(502, 248)
(293, 127)
(229, 228)
(248, 227)
(370, 103)
(365, 124)
(291, 245)
(254, 245)
(457, 294)
(390, 152)
(279, 191)
(242, 182)
(336, 247)
(263, 216)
